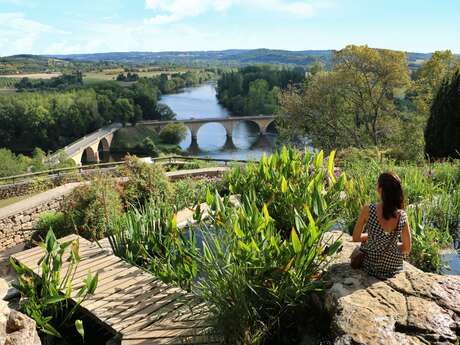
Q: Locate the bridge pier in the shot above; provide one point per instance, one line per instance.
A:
(229, 145)
(194, 148)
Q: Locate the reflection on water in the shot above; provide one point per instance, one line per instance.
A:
(452, 259)
(200, 102)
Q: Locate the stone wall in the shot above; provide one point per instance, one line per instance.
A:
(47, 182)
(18, 228)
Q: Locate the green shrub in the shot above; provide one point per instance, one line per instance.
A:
(144, 182)
(46, 299)
(173, 133)
(148, 148)
(288, 180)
(51, 220)
(254, 279)
(91, 207)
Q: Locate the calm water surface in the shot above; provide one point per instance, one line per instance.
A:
(201, 102)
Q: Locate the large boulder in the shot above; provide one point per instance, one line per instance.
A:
(413, 307)
(16, 328)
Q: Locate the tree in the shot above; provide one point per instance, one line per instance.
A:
(147, 147)
(164, 112)
(442, 136)
(12, 165)
(173, 133)
(124, 110)
(350, 105)
(430, 76)
(257, 97)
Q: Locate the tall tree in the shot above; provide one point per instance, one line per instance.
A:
(354, 104)
(430, 76)
(442, 134)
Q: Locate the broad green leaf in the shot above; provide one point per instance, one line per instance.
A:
(238, 232)
(54, 299)
(80, 328)
(265, 212)
(330, 166)
(319, 160)
(284, 185)
(295, 241)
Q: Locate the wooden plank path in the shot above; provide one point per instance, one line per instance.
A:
(138, 307)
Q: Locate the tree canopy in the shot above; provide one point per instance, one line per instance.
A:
(254, 90)
(351, 105)
(442, 134)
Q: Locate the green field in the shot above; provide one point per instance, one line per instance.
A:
(111, 74)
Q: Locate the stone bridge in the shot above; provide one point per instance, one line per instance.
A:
(89, 148)
(194, 125)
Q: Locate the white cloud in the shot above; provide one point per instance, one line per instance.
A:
(19, 34)
(169, 11)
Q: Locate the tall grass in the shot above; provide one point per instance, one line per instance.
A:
(148, 237)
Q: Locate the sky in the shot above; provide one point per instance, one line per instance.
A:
(92, 26)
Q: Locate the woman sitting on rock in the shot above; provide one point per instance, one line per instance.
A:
(385, 224)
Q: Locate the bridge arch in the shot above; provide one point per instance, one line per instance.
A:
(104, 145)
(265, 125)
(219, 134)
(250, 122)
(88, 156)
(271, 127)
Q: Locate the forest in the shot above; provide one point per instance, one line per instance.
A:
(52, 113)
(254, 90)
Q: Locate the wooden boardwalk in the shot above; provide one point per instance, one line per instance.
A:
(138, 307)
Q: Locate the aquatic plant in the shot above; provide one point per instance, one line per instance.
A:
(46, 296)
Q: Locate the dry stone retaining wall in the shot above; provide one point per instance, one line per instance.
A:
(47, 182)
(17, 228)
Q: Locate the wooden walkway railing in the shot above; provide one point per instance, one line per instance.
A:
(138, 307)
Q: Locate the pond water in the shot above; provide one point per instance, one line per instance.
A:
(200, 102)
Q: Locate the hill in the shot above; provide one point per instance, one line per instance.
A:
(229, 57)
(232, 57)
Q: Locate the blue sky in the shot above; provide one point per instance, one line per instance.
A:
(89, 26)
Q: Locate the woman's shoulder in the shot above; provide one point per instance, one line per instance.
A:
(402, 216)
(370, 206)
(366, 209)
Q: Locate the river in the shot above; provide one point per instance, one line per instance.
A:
(200, 102)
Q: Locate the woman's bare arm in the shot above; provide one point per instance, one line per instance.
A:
(406, 244)
(358, 235)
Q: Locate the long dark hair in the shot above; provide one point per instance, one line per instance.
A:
(392, 194)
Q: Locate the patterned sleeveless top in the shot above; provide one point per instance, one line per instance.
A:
(384, 258)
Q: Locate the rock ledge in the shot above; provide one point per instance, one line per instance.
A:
(413, 307)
